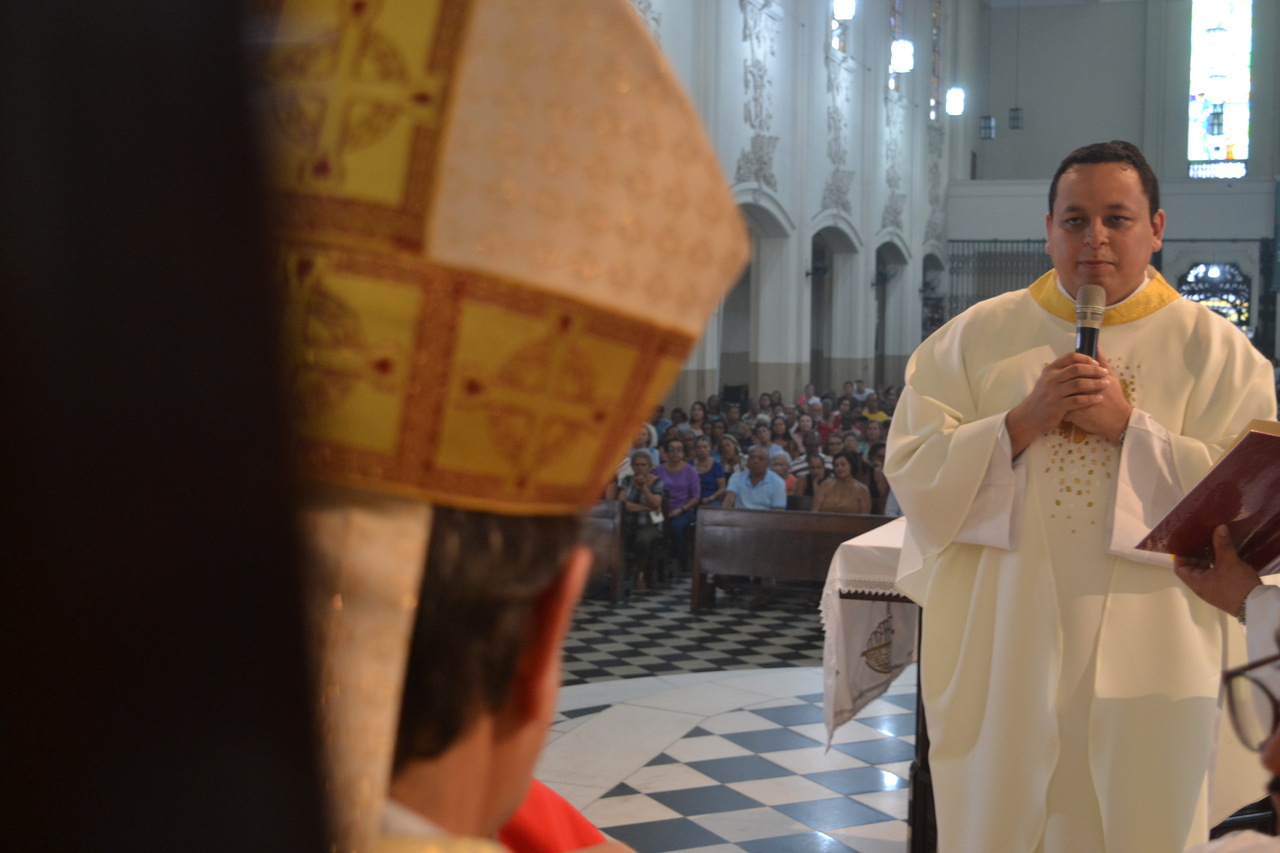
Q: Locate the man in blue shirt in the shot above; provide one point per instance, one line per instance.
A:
(757, 487)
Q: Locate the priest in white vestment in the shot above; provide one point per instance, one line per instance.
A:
(1070, 682)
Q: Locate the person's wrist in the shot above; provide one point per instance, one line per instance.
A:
(1244, 602)
(1123, 430)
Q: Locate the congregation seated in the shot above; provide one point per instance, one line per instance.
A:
(872, 409)
(815, 475)
(782, 437)
(809, 445)
(873, 433)
(781, 465)
(801, 443)
(734, 424)
(711, 476)
(757, 487)
(877, 483)
(646, 439)
(731, 460)
(761, 436)
(641, 494)
(683, 493)
(697, 418)
(843, 492)
(716, 430)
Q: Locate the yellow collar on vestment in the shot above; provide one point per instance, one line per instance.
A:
(1157, 294)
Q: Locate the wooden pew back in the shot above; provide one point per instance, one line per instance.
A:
(603, 532)
(780, 544)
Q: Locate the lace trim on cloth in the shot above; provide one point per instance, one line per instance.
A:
(874, 586)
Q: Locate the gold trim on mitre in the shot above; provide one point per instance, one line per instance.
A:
(1157, 294)
(504, 229)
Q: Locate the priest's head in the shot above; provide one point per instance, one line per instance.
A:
(1104, 220)
(470, 360)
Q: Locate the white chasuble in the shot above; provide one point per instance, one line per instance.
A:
(1070, 682)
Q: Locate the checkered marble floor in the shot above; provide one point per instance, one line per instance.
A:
(653, 633)
(719, 761)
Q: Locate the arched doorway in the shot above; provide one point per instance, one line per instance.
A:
(735, 340)
(821, 314)
(933, 308)
(833, 333)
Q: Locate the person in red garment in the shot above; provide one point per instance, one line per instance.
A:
(547, 823)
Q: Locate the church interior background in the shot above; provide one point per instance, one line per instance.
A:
(876, 215)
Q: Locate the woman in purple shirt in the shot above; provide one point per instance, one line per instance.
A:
(683, 493)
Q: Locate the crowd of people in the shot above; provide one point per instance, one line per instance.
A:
(818, 452)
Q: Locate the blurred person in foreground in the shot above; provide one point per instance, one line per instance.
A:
(434, 303)
(1233, 586)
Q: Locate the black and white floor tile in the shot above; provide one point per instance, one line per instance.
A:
(653, 633)
(717, 752)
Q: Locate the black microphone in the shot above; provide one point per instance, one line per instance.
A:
(1091, 304)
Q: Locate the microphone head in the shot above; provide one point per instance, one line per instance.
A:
(1091, 303)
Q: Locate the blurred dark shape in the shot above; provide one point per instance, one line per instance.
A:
(154, 688)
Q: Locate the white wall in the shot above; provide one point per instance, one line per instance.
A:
(1086, 71)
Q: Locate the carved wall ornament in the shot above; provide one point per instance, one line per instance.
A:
(835, 194)
(756, 164)
(935, 231)
(936, 137)
(895, 110)
(893, 207)
(760, 33)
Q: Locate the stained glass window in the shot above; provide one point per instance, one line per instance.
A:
(1218, 113)
(895, 33)
(1223, 288)
(842, 12)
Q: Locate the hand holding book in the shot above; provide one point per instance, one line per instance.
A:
(1225, 581)
(1242, 492)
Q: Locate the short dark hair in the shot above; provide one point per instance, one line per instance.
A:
(854, 460)
(1115, 151)
(484, 576)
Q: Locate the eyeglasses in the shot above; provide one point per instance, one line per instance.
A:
(1252, 702)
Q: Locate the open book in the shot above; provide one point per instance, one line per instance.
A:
(1242, 491)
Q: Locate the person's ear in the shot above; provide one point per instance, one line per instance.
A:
(538, 677)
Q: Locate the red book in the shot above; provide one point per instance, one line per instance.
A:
(1242, 491)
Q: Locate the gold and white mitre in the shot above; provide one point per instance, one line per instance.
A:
(502, 231)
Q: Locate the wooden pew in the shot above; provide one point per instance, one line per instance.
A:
(780, 544)
(603, 532)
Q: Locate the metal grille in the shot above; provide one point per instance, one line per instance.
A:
(1222, 288)
(981, 269)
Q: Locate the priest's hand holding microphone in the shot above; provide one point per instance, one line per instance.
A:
(1078, 388)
